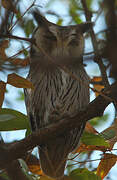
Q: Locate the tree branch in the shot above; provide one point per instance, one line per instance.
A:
(30, 40)
(98, 59)
(94, 109)
(15, 171)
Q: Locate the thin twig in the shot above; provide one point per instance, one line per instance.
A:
(30, 40)
(82, 162)
(22, 15)
(19, 52)
(98, 14)
(74, 157)
(88, 53)
(98, 59)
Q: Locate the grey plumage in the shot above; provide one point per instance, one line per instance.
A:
(55, 92)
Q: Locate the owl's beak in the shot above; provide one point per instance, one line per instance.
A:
(61, 46)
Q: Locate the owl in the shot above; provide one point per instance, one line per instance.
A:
(56, 93)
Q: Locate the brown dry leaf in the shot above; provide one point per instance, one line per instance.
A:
(85, 148)
(33, 164)
(107, 162)
(8, 4)
(111, 134)
(18, 81)
(89, 128)
(26, 62)
(98, 87)
(21, 62)
(3, 46)
(2, 92)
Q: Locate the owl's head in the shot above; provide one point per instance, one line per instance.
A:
(59, 41)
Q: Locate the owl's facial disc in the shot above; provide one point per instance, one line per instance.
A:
(63, 34)
(60, 42)
(69, 42)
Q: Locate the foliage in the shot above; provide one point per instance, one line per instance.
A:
(83, 173)
(13, 120)
(104, 49)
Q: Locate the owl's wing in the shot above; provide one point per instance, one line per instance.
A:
(27, 96)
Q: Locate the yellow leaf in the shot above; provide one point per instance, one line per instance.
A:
(18, 81)
(98, 87)
(33, 164)
(35, 169)
(107, 162)
(2, 92)
(85, 148)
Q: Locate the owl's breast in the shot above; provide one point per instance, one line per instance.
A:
(57, 91)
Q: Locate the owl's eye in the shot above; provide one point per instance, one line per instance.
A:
(50, 37)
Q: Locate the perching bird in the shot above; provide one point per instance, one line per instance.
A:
(55, 92)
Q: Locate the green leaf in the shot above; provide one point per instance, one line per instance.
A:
(93, 139)
(20, 96)
(29, 27)
(74, 7)
(109, 133)
(4, 176)
(99, 120)
(13, 120)
(28, 132)
(89, 4)
(77, 19)
(83, 174)
(75, 16)
(25, 53)
(59, 22)
(18, 15)
(25, 169)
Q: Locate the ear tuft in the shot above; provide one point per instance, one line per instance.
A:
(86, 26)
(40, 19)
